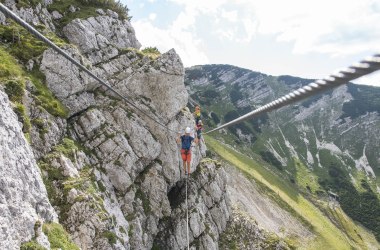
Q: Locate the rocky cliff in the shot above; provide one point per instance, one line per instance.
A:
(111, 174)
(24, 200)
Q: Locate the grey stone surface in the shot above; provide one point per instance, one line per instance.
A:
(205, 225)
(35, 16)
(62, 76)
(23, 197)
(56, 15)
(101, 37)
(161, 86)
(51, 129)
(2, 19)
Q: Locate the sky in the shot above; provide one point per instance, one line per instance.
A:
(305, 38)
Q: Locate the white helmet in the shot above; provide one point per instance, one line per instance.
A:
(187, 130)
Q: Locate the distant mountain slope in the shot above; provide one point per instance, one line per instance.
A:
(327, 142)
(261, 194)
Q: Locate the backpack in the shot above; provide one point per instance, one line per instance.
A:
(186, 142)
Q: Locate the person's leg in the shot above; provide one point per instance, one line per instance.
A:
(188, 160)
(184, 159)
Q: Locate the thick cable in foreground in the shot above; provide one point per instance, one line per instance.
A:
(7, 12)
(357, 70)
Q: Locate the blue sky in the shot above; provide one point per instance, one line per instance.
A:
(309, 39)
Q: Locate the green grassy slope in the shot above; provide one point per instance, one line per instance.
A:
(339, 232)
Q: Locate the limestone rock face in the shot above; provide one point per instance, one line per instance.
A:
(110, 167)
(23, 197)
(34, 16)
(53, 65)
(135, 160)
(245, 233)
(158, 83)
(208, 210)
(2, 18)
(101, 37)
(50, 129)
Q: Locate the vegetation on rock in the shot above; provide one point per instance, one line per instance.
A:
(31, 245)
(86, 8)
(17, 49)
(58, 237)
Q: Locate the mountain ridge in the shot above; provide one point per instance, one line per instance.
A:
(329, 134)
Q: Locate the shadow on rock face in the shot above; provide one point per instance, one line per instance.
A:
(177, 194)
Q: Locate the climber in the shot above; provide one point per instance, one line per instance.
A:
(199, 128)
(186, 141)
(197, 114)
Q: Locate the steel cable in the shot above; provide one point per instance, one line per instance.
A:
(357, 70)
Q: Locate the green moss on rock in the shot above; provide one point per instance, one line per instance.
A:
(27, 3)
(58, 237)
(31, 245)
(44, 97)
(22, 116)
(86, 9)
(68, 148)
(112, 238)
(23, 45)
(15, 90)
(9, 68)
(145, 201)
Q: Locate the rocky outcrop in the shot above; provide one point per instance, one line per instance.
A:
(158, 84)
(208, 210)
(109, 167)
(47, 130)
(247, 199)
(23, 197)
(243, 232)
(100, 38)
(131, 160)
(38, 15)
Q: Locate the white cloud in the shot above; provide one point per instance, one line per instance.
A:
(184, 42)
(338, 28)
(372, 79)
(231, 16)
(332, 29)
(226, 34)
(180, 34)
(152, 16)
